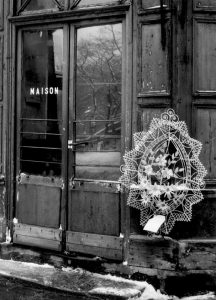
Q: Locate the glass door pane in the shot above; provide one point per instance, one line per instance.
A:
(41, 103)
(97, 124)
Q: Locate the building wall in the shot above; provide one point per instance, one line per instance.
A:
(167, 84)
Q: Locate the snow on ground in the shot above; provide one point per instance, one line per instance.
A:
(29, 264)
(151, 294)
(209, 296)
(103, 284)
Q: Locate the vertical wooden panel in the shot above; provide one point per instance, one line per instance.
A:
(206, 133)
(205, 57)
(1, 14)
(155, 60)
(94, 212)
(1, 139)
(38, 205)
(1, 66)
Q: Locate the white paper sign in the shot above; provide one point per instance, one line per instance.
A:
(154, 223)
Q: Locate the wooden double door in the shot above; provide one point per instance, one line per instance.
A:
(69, 138)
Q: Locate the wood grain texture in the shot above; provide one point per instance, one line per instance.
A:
(1, 66)
(197, 255)
(1, 14)
(205, 125)
(205, 5)
(153, 253)
(202, 224)
(152, 4)
(2, 139)
(96, 240)
(94, 212)
(38, 205)
(47, 238)
(155, 61)
(38, 232)
(100, 245)
(36, 242)
(204, 56)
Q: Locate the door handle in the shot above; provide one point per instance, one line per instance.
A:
(71, 144)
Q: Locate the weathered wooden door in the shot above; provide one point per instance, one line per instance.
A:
(69, 143)
(95, 123)
(40, 135)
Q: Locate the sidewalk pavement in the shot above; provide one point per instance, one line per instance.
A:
(79, 282)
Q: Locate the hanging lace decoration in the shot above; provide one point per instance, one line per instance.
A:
(163, 172)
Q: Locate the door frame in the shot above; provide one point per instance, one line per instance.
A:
(113, 14)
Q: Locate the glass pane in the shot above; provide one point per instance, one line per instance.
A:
(98, 102)
(41, 4)
(99, 136)
(87, 3)
(41, 102)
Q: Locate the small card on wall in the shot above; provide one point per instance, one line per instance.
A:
(154, 224)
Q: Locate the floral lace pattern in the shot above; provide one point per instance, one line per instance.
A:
(163, 172)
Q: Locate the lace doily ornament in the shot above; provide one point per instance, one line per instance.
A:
(163, 172)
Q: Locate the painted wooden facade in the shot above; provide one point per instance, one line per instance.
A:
(167, 60)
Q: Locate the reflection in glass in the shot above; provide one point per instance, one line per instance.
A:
(41, 4)
(98, 101)
(93, 3)
(41, 101)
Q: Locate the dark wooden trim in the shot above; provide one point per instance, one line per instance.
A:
(2, 14)
(65, 99)
(149, 102)
(204, 94)
(40, 180)
(207, 102)
(71, 105)
(48, 238)
(153, 19)
(11, 115)
(198, 7)
(100, 245)
(19, 60)
(96, 186)
(151, 10)
(1, 65)
(158, 94)
(127, 117)
(76, 15)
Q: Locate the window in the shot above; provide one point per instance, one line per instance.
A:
(41, 101)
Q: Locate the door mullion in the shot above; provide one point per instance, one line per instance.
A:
(65, 96)
(72, 101)
(71, 115)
